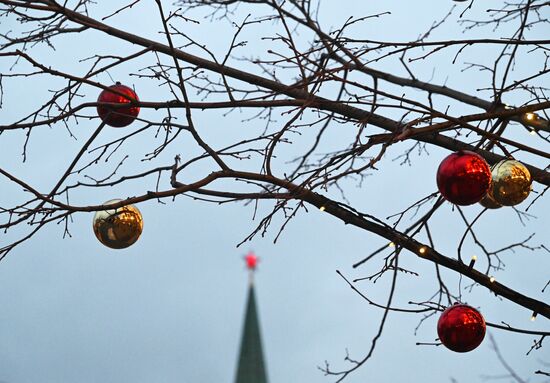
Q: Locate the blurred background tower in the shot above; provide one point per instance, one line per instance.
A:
(251, 365)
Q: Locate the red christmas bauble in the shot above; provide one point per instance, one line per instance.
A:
(461, 328)
(464, 177)
(118, 117)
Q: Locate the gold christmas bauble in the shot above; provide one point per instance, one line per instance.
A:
(511, 182)
(488, 201)
(118, 228)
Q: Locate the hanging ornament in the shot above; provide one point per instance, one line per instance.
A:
(118, 117)
(118, 228)
(463, 178)
(511, 182)
(488, 201)
(461, 328)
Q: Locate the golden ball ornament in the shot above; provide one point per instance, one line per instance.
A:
(488, 201)
(511, 182)
(118, 228)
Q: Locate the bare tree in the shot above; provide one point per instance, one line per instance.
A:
(320, 115)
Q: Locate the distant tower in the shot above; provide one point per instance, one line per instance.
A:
(251, 366)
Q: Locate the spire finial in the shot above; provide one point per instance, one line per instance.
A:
(251, 366)
(251, 260)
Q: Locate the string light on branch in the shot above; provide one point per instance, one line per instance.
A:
(118, 228)
(472, 262)
(461, 328)
(391, 244)
(118, 117)
(529, 116)
(492, 279)
(423, 250)
(533, 317)
(323, 208)
(463, 178)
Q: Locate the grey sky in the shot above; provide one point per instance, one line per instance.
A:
(170, 308)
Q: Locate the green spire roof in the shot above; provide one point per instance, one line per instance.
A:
(251, 367)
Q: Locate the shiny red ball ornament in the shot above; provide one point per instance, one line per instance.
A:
(463, 178)
(118, 117)
(461, 328)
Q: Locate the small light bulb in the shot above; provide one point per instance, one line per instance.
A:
(472, 262)
(533, 317)
(530, 116)
(322, 208)
(422, 250)
(391, 244)
(533, 132)
(492, 279)
(506, 106)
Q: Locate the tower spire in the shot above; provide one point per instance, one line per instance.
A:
(251, 366)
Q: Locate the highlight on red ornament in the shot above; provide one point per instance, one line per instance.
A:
(461, 328)
(463, 178)
(118, 117)
(251, 261)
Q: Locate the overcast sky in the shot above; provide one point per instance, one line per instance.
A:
(170, 308)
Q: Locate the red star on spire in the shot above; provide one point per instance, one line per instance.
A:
(251, 260)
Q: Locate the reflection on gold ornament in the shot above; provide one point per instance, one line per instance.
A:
(118, 228)
(488, 201)
(511, 182)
